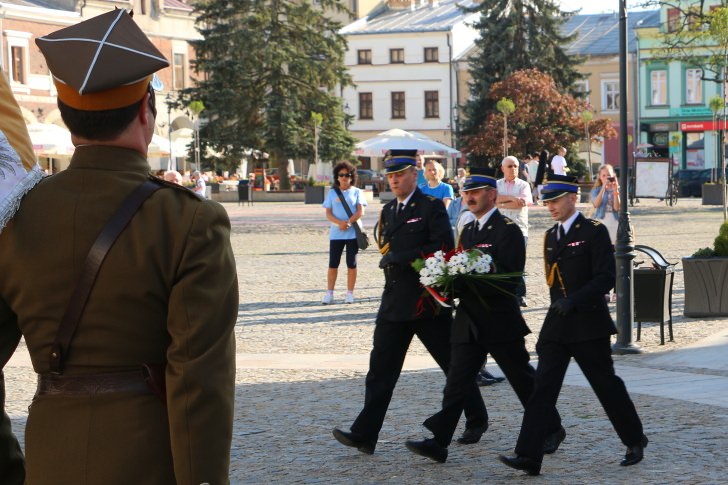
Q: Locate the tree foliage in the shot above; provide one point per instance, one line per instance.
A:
(544, 117)
(264, 66)
(697, 36)
(516, 35)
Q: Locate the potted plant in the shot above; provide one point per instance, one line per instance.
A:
(706, 279)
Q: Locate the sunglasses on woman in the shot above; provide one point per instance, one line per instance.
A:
(344, 175)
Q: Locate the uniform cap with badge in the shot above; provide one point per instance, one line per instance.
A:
(558, 186)
(103, 63)
(480, 178)
(398, 160)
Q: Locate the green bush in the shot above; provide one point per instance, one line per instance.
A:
(720, 245)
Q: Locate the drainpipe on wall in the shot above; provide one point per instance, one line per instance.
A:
(450, 108)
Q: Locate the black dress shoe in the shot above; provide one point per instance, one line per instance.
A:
(472, 435)
(484, 381)
(553, 441)
(635, 453)
(528, 465)
(355, 440)
(429, 449)
(522, 301)
(487, 375)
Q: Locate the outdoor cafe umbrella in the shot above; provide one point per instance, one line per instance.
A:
(50, 140)
(400, 139)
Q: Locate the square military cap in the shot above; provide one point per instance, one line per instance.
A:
(398, 160)
(559, 185)
(102, 63)
(480, 178)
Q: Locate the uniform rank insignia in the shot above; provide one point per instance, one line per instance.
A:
(416, 219)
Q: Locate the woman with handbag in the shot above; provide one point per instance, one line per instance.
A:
(344, 207)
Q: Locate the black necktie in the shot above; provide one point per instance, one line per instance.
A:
(400, 208)
(476, 228)
(562, 233)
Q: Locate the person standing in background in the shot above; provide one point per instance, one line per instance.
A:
(435, 187)
(341, 233)
(605, 199)
(514, 197)
(558, 163)
(541, 172)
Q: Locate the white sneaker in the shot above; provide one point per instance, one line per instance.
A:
(349, 298)
(328, 299)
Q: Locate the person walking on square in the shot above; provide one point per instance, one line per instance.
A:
(128, 315)
(341, 232)
(411, 225)
(580, 269)
(541, 172)
(558, 163)
(487, 320)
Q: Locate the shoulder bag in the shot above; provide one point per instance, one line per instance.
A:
(362, 239)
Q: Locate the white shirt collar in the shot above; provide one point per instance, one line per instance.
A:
(568, 222)
(484, 218)
(406, 200)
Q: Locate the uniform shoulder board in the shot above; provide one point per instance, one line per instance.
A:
(595, 222)
(172, 185)
(508, 220)
(432, 198)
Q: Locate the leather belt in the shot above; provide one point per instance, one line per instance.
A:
(88, 384)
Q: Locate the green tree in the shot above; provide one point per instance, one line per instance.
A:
(505, 107)
(516, 35)
(545, 118)
(264, 66)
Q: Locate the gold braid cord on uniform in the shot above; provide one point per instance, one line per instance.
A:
(552, 271)
(383, 247)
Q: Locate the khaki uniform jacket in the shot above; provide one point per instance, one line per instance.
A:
(167, 292)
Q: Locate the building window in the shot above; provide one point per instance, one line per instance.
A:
(364, 56)
(432, 104)
(581, 86)
(398, 104)
(610, 95)
(18, 64)
(178, 70)
(693, 86)
(658, 87)
(366, 112)
(431, 54)
(396, 56)
(673, 19)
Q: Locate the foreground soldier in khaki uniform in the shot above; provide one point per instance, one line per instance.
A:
(166, 295)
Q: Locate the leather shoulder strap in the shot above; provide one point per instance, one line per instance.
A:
(94, 259)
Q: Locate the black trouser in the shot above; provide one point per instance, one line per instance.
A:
(594, 357)
(391, 341)
(467, 358)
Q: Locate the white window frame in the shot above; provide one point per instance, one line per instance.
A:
(610, 97)
(14, 38)
(693, 86)
(582, 86)
(179, 48)
(658, 87)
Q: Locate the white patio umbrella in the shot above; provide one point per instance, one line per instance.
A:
(401, 140)
(50, 140)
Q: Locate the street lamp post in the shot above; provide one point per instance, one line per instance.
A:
(170, 164)
(625, 239)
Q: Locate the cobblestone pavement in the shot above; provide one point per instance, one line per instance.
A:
(301, 369)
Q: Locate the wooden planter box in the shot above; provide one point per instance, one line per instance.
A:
(713, 194)
(706, 287)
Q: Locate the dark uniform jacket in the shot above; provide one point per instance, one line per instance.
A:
(166, 293)
(492, 315)
(421, 229)
(584, 259)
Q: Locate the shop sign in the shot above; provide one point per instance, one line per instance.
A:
(702, 125)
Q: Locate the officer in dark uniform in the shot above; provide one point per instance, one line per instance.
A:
(411, 225)
(580, 270)
(488, 319)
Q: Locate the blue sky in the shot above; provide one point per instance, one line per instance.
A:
(596, 6)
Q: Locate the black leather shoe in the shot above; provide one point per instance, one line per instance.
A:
(635, 453)
(553, 441)
(355, 440)
(472, 435)
(487, 375)
(484, 381)
(528, 465)
(522, 301)
(429, 449)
